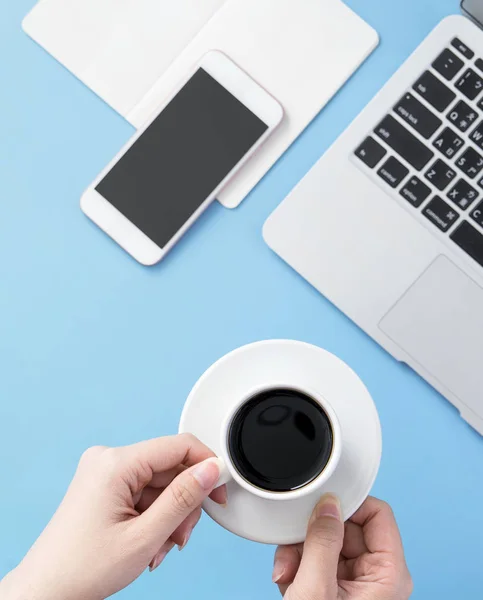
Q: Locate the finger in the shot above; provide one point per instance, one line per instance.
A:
(161, 555)
(161, 481)
(182, 535)
(179, 500)
(354, 544)
(164, 458)
(381, 533)
(220, 495)
(318, 569)
(286, 563)
(162, 454)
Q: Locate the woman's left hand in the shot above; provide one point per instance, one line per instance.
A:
(124, 511)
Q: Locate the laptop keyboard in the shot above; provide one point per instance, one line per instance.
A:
(429, 148)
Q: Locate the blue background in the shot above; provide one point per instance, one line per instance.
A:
(97, 349)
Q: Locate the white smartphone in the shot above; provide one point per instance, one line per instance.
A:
(174, 167)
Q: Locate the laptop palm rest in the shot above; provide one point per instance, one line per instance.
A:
(439, 324)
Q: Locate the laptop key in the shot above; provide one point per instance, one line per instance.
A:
(480, 104)
(418, 116)
(462, 48)
(434, 91)
(440, 213)
(448, 64)
(440, 175)
(470, 162)
(370, 152)
(479, 64)
(470, 84)
(477, 214)
(448, 143)
(462, 194)
(404, 143)
(393, 172)
(477, 136)
(470, 240)
(480, 183)
(415, 191)
(463, 116)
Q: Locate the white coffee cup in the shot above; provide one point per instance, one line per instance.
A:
(228, 470)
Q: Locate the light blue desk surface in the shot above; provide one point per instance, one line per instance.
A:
(97, 349)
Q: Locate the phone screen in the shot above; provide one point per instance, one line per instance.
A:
(177, 163)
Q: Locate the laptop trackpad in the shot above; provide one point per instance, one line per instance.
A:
(439, 323)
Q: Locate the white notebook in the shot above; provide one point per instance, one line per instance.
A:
(133, 53)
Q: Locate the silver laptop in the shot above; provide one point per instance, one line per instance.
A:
(388, 225)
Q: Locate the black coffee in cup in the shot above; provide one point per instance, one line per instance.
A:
(280, 440)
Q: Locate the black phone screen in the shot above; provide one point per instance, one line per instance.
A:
(177, 163)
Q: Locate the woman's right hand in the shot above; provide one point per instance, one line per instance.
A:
(363, 560)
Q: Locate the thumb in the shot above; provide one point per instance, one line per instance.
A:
(183, 496)
(317, 575)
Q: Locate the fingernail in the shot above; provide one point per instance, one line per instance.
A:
(186, 539)
(161, 555)
(329, 506)
(207, 473)
(278, 571)
(224, 496)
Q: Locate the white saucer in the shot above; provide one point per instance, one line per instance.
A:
(302, 366)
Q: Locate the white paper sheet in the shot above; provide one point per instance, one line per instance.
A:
(118, 48)
(133, 53)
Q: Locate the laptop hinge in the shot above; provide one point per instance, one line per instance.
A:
(474, 9)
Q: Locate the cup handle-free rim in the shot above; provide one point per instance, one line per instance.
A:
(227, 472)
